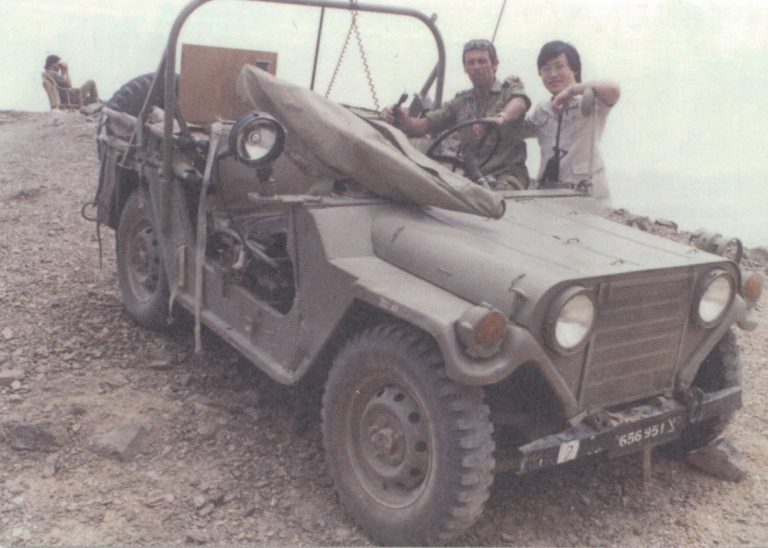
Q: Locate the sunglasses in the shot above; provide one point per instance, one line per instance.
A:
(478, 44)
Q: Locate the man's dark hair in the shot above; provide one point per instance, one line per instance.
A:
(482, 45)
(51, 59)
(550, 50)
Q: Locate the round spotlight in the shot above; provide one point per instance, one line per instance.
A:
(257, 139)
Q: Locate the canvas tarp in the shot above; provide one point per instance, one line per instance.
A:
(328, 140)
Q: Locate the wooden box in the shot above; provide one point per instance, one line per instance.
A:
(208, 78)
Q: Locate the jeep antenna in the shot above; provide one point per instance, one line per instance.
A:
(498, 21)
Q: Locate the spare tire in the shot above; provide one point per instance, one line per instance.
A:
(129, 99)
(131, 96)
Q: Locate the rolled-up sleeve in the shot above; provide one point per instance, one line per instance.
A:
(513, 87)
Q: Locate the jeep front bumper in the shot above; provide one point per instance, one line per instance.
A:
(622, 432)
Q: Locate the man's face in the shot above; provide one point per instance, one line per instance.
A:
(55, 67)
(479, 68)
(556, 74)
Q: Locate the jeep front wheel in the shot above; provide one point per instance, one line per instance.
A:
(410, 451)
(721, 369)
(140, 271)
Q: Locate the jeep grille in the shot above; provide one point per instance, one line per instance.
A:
(634, 352)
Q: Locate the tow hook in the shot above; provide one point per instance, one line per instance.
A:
(693, 399)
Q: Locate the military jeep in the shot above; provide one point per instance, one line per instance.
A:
(460, 331)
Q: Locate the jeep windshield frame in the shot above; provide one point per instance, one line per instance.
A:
(167, 66)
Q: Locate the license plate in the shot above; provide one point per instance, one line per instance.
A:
(637, 435)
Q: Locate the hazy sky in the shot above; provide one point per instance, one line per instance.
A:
(687, 141)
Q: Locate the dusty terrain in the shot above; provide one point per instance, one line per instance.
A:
(219, 453)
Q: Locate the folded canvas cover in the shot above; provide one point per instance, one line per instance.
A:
(328, 140)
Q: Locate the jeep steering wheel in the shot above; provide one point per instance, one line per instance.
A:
(467, 158)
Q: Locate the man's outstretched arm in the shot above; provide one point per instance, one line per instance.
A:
(606, 90)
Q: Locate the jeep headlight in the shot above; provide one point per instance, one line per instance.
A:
(570, 320)
(714, 295)
(257, 139)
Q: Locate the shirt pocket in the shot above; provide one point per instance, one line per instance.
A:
(581, 167)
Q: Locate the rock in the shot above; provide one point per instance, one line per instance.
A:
(113, 381)
(642, 223)
(121, 443)
(207, 430)
(16, 386)
(195, 537)
(77, 410)
(720, 459)
(34, 437)
(157, 500)
(199, 501)
(159, 364)
(9, 376)
(7, 333)
(20, 533)
(341, 534)
(666, 223)
(51, 466)
(14, 487)
(3, 357)
(207, 509)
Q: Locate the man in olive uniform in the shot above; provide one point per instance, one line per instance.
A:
(504, 103)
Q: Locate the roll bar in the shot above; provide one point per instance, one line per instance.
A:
(168, 64)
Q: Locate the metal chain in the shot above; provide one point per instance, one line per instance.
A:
(353, 27)
(365, 60)
(339, 62)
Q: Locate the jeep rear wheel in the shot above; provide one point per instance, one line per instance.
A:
(140, 271)
(410, 451)
(721, 369)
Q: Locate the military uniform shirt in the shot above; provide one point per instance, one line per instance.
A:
(508, 162)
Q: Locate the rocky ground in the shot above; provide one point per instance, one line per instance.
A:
(110, 434)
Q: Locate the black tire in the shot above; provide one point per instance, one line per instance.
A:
(131, 95)
(410, 451)
(129, 99)
(721, 369)
(140, 271)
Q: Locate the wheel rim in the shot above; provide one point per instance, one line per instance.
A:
(143, 262)
(392, 449)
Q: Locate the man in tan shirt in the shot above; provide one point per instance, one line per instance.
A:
(569, 131)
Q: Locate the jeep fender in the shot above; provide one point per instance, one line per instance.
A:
(435, 311)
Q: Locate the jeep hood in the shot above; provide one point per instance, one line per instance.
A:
(536, 246)
(327, 140)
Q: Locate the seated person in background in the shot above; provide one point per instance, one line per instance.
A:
(504, 103)
(569, 132)
(59, 73)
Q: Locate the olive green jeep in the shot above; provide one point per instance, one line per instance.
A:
(460, 331)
